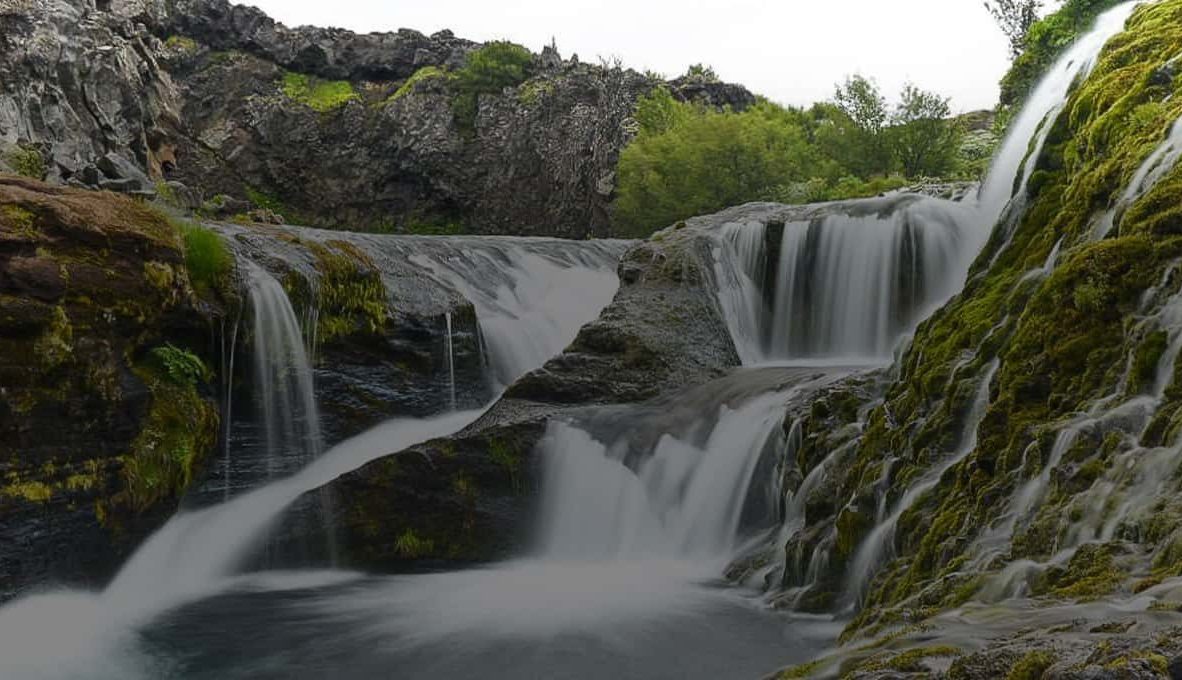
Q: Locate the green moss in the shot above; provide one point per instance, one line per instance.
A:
(19, 221)
(178, 432)
(1147, 358)
(804, 670)
(350, 295)
(410, 546)
(423, 74)
(910, 661)
(56, 345)
(30, 491)
(181, 43)
(508, 457)
(319, 95)
(1091, 574)
(533, 91)
(1032, 666)
(27, 162)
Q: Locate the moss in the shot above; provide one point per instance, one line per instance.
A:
(178, 432)
(804, 670)
(19, 221)
(1091, 574)
(30, 491)
(508, 457)
(422, 75)
(910, 661)
(27, 162)
(262, 199)
(181, 43)
(319, 95)
(56, 345)
(533, 91)
(1032, 666)
(350, 296)
(410, 546)
(1146, 360)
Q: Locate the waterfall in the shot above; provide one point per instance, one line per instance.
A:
(283, 387)
(1014, 163)
(875, 548)
(847, 285)
(683, 501)
(1152, 170)
(451, 363)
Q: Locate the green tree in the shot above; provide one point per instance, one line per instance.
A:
(861, 144)
(706, 161)
(922, 137)
(1014, 17)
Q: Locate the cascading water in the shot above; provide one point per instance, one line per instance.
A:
(846, 284)
(283, 385)
(1152, 170)
(451, 363)
(1014, 163)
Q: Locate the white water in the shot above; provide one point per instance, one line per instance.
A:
(845, 285)
(1028, 133)
(534, 311)
(683, 502)
(1151, 171)
(283, 387)
(876, 547)
(451, 363)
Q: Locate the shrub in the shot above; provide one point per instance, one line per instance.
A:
(317, 94)
(489, 70)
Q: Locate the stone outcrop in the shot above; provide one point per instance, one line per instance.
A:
(320, 126)
(103, 420)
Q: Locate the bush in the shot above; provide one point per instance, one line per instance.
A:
(489, 70)
(317, 94)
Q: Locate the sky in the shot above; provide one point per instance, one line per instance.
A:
(792, 51)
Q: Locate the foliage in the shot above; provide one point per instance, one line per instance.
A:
(181, 43)
(315, 93)
(860, 144)
(27, 162)
(701, 73)
(207, 258)
(488, 70)
(924, 140)
(1045, 41)
(423, 74)
(350, 297)
(688, 159)
(1014, 17)
(180, 366)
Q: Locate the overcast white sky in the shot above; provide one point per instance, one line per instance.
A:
(792, 51)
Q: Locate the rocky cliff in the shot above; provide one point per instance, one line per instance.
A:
(217, 107)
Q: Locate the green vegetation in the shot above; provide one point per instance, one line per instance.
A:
(1032, 666)
(690, 160)
(489, 70)
(424, 74)
(179, 430)
(350, 295)
(27, 162)
(410, 546)
(181, 43)
(315, 93)
(207, 258)
(1044, 41)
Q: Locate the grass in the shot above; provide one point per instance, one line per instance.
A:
(206, 257)
(319, 95)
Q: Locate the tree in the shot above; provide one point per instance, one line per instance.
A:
(858, 141)
(923, 139)
(1015, 17)
(701, 73)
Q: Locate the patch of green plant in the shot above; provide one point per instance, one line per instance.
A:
(434, 228)
(207, 258)
(350, 296)
(181, 43)
(410, 546)
(533, 91)
(27, 162)
(19, 220)
(317, 94)
(423, 74)
(488, 70)
(1032, 666)
(179, 365)
(179, 432)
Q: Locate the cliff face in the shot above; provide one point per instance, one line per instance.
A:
(324, 126)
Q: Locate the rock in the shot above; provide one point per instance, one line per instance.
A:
(90, 284)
